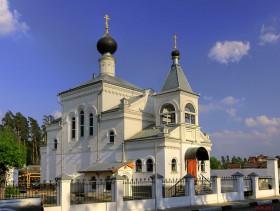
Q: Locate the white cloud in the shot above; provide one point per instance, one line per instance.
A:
(262, 121)
(9, 21)
(229, 51)
(238, 142)
(221, 104)
(56, 114)
(207, 98)
(231, 112)
(230, 100)
(208, 107)
(268, 35)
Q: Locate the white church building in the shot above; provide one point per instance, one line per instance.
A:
(110, 126)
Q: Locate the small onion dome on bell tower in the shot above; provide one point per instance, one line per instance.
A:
(107, 44)
(175, 53)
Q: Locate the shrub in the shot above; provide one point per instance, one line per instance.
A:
(11, 191)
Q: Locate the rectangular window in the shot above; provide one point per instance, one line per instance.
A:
(91, 124)
(73, 128)
(82, 119)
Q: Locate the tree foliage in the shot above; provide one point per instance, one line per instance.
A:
(12, 152)
(28, 134)
(35, 139)
(214, 163)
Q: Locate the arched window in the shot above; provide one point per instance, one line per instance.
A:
(55, 144)
(93, 185)
(73, 127)
(174, 165)
(138, 165)
(112, 136)
(189, 114)
(82, 123)
(167, 114)
(202, 166)
(90, 124)
(149, 165)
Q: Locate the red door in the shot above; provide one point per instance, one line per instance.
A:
(192, 167)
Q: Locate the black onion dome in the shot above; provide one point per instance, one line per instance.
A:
(175, 53)
(107, 45)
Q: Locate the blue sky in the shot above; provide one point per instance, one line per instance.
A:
(229, 53)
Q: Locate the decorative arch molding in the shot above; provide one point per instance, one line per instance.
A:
(170, 160)
(112, 129)
(91, 109)
(185, 103)
(127, 175)
(172, 102)
(81, 107)
(148, 157)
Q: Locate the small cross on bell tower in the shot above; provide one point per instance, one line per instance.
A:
(107, 18)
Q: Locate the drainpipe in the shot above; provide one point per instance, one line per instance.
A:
(61, 139)
(123, 152)
(98, 123)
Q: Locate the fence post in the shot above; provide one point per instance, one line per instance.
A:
(190, 189)
(272, 170)
(64, 194)
(239, 184)
(157, 188)
(117, 191)
(217, 188)
(255, 184)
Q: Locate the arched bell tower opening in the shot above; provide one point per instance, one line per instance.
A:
(192, 155)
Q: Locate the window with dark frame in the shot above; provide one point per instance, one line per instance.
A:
(174, 165)
(73, 127)
(138, 165)
(93, 185)
(112, 136)
(149, 165)
(55, 143)
(202, 166)
(108, 183)
(90, 124)
(82, 123)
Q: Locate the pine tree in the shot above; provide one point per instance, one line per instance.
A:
(8, 120)
(21, 127)
(35, 140)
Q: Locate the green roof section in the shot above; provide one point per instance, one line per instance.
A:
(176, 79)
(106, 79)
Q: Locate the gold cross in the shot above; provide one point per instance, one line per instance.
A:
(106, 23)
(175, 39)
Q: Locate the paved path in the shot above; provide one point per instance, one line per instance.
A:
(262, 203)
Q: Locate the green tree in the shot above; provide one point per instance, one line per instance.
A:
(8, 120)
(12, 153)
(214, 163)
(234, 160)
(35, 140)
(21, 127)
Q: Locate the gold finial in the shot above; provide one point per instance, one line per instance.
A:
(106, 23)
(175, 40)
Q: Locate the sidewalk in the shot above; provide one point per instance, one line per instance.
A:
(228, 205)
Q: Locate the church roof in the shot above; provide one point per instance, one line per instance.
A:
(151, 131)
(176, 79)
(106, 79)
